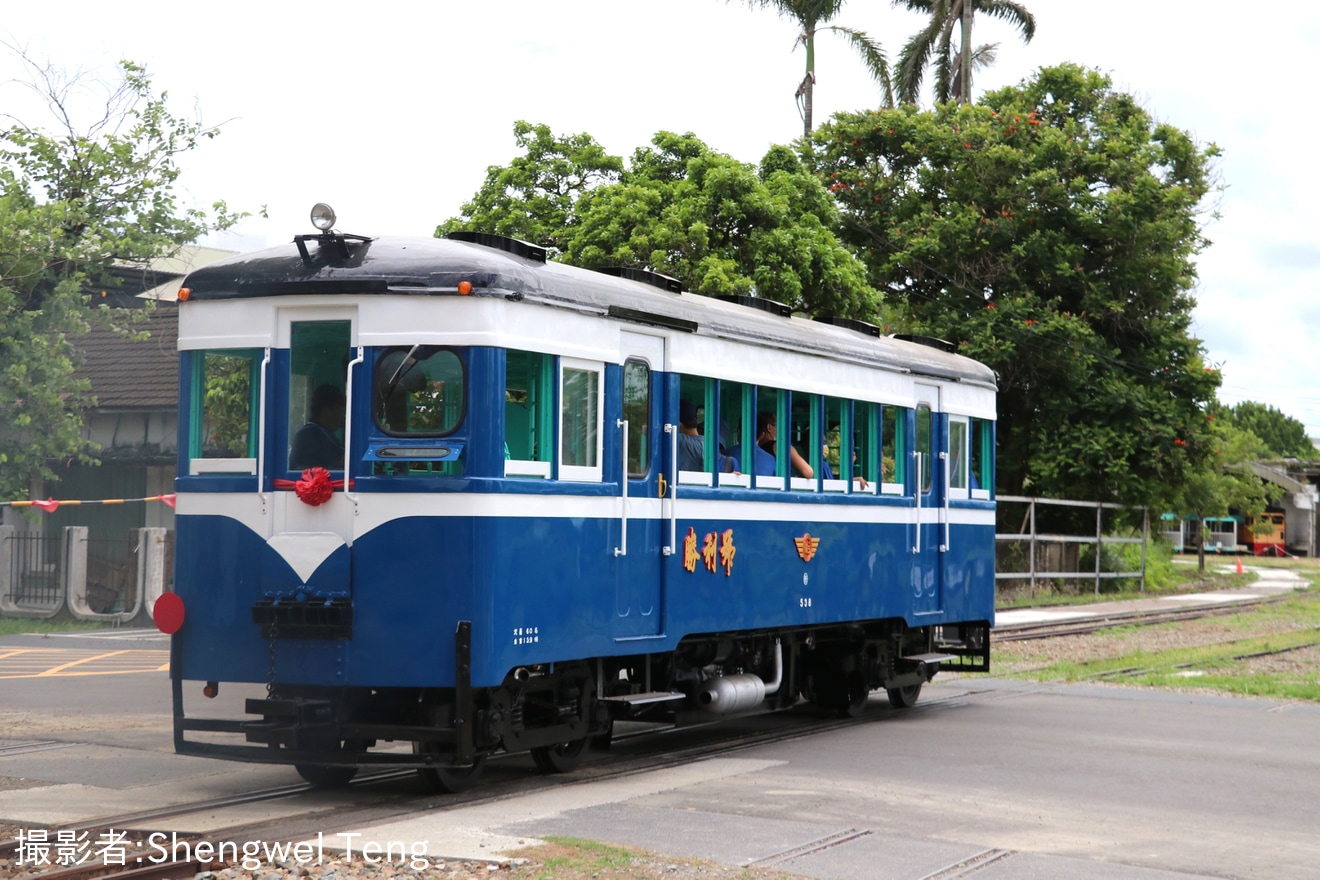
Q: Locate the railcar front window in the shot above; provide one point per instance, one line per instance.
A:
(225, 399)
(318, 372)
(418, 391)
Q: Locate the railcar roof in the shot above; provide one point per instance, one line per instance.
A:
(435, 266)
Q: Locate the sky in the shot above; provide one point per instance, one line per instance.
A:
(391, 112)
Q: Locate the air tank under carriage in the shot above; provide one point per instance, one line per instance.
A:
(499, 549)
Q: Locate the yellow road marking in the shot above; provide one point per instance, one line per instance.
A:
(70, 663)
(58, 669)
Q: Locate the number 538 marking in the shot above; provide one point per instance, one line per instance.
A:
(804, 602)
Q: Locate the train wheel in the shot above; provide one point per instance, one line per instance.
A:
(561, 757)
(904, 697)
(852, 700)
(601, 741)
(326, 775)
(451, 779)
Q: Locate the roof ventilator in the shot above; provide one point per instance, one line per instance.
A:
(759, 302)
(655, 279)
(928, 341)
(518, 248)
(849, 324)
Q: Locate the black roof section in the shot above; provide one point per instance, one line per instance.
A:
(436, 266)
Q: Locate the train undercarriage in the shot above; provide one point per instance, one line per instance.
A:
(558, 711)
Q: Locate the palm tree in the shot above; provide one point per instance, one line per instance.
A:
(811, 16)
(953, 70)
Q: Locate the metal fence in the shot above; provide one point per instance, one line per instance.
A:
(1056, 563)
(35, 577)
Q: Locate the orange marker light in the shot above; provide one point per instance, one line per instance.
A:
(184, 293)
(465, 288)
(211, 690)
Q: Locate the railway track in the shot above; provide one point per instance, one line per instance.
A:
(1083, 625)
(634, 752)
(638, 752)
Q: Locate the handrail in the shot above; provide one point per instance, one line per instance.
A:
(948, 487)
(261, 428)
(917, 456)
(348, 439)
(672, 547)
(622, 550)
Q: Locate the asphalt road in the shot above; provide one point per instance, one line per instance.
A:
(984, 779)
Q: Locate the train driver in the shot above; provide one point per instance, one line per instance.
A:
(317, 443)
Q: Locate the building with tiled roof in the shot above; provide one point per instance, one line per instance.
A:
(134, 423)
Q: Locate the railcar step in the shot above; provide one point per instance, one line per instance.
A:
(647, 698)
(931, 658)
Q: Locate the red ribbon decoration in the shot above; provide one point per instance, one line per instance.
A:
(314, 488)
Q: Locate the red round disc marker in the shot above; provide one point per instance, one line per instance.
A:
(168, 613)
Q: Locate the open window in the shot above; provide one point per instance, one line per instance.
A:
(893, 450)
(529, 414)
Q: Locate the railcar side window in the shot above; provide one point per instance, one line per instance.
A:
(866, 446)
(637, 412)
(696, 401)
(223, 421)
(579, 420)
(529, 414)
(318, 372)
(958, 451)
(893, 449)
(770, 457)
(925, 445)
(982, 443)
(418, 391)
(836, 448)
(735, 437)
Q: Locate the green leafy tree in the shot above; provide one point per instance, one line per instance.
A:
(1282, 436)
(1227, 483)
(933, 46)
(722, 227)
(75, 202)
(1050, 232)
(812, 17)
(534, 197)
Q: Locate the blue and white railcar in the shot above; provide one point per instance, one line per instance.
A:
(504, 550)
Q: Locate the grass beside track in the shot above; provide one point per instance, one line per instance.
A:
(1269, 651)
(567, 858)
